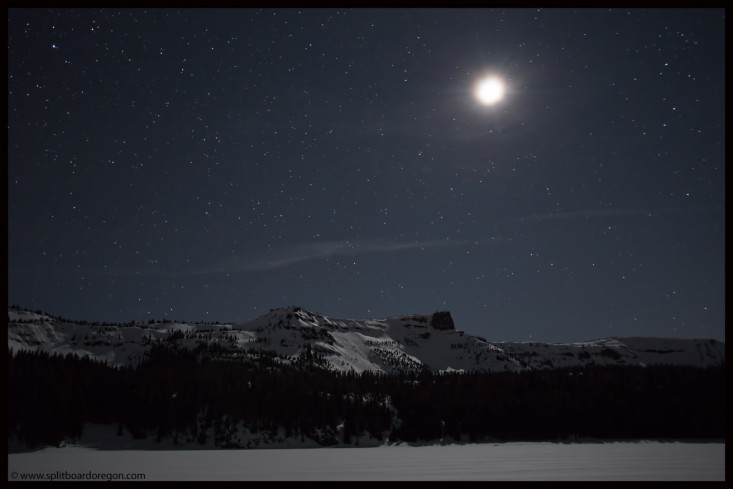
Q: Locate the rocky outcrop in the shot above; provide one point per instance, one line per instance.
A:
(442, 320)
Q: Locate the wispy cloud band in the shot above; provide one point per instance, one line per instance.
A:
(592, 213)
(281, 257)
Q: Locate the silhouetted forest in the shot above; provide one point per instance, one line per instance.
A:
(192, 399)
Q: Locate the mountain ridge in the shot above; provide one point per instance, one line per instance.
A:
(390, 345)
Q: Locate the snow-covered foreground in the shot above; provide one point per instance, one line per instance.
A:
(505, 461)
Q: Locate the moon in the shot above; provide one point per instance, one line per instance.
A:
(490, 90)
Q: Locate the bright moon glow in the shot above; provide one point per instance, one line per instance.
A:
(490, 91)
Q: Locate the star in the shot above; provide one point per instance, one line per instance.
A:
(490, 90)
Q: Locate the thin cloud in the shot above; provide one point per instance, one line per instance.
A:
(286, 256)
(290, 255)
(587, 214)
(591, 213)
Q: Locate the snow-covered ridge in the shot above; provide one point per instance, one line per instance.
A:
(294, 335)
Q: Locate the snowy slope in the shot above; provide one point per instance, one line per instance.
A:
(405, 343)
(511, 461)
(631, 351)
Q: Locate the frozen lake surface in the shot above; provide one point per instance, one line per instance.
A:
(501, 461)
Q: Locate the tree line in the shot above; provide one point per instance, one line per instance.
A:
(196, 397)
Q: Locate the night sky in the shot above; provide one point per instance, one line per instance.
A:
(209, 165)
